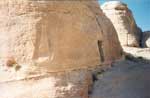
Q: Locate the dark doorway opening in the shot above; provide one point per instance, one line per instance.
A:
(100, 46)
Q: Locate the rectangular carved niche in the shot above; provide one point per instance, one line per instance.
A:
(100, 43)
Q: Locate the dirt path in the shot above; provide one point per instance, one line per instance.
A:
(128, 80)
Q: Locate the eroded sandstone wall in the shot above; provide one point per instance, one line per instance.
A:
(56, 35)
(55, 43)
(129, 33)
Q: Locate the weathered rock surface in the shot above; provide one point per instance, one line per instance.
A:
(56, 35)
(61, 38)
(124, 23)
(146, 39)
(73, 84)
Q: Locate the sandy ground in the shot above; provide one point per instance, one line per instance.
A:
(127, 79)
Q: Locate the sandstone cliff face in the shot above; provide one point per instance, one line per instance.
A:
(73, 84)
(56, 35)
(123, 21)
(53, 38)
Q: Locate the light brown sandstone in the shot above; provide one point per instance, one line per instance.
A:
(72, 84)
(56, 35)
(124, 23)
(61, 39)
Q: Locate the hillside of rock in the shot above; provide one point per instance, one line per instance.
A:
(122, 18)
(48, 47)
